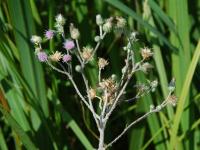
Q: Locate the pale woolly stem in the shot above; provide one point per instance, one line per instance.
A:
(73, 83)
(133, 123)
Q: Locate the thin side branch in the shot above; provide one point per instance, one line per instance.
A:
(133, 123)
(72, 81)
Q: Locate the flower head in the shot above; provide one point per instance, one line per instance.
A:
(102, 63)
(107, 26)
(87, 53)
(49, 34)
(146, 53)
(69, 44)
(172, 100)
(121, 22)
(56, 56)
(145, 67)
(42, 56)
(92, 93)
(66, 58)
(36, 39)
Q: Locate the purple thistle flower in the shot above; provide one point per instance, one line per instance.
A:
(49, 34)
(69, 44)
(67, 58)
(42, 56)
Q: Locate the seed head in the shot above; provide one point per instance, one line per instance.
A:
(87, 53)
(92, 93)
(56, 56)
(121, 22)
(146, 53)
(107, 26)
(102, 63)
(145, 67)
(172, 100)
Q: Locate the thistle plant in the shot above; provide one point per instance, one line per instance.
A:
(109, 92)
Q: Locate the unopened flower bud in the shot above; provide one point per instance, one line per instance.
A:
(114, 77)
(172, 85)
(74, 32)
(99, 20)
(97, 38)
(158, 108)
(124, 70)
(78, 68)
(152, 108)
(153, 85)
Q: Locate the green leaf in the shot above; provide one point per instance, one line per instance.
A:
(3, 145)
(139, 19)
(183, 96)
(26, 140)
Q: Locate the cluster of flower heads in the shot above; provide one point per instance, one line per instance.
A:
(86, 53)
(68, 44)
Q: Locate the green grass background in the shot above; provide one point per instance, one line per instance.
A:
(38, 106)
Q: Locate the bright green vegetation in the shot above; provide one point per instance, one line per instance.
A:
(38, 107)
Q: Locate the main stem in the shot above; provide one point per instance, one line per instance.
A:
(101, 138)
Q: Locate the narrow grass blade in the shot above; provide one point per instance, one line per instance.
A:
(23, 29)
(139, 19)
(76, 129)
(35, 12)
(26, 140)
(183, 96)
(162, 15)
(3, 145)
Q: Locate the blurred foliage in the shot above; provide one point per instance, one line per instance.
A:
(39, 108)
